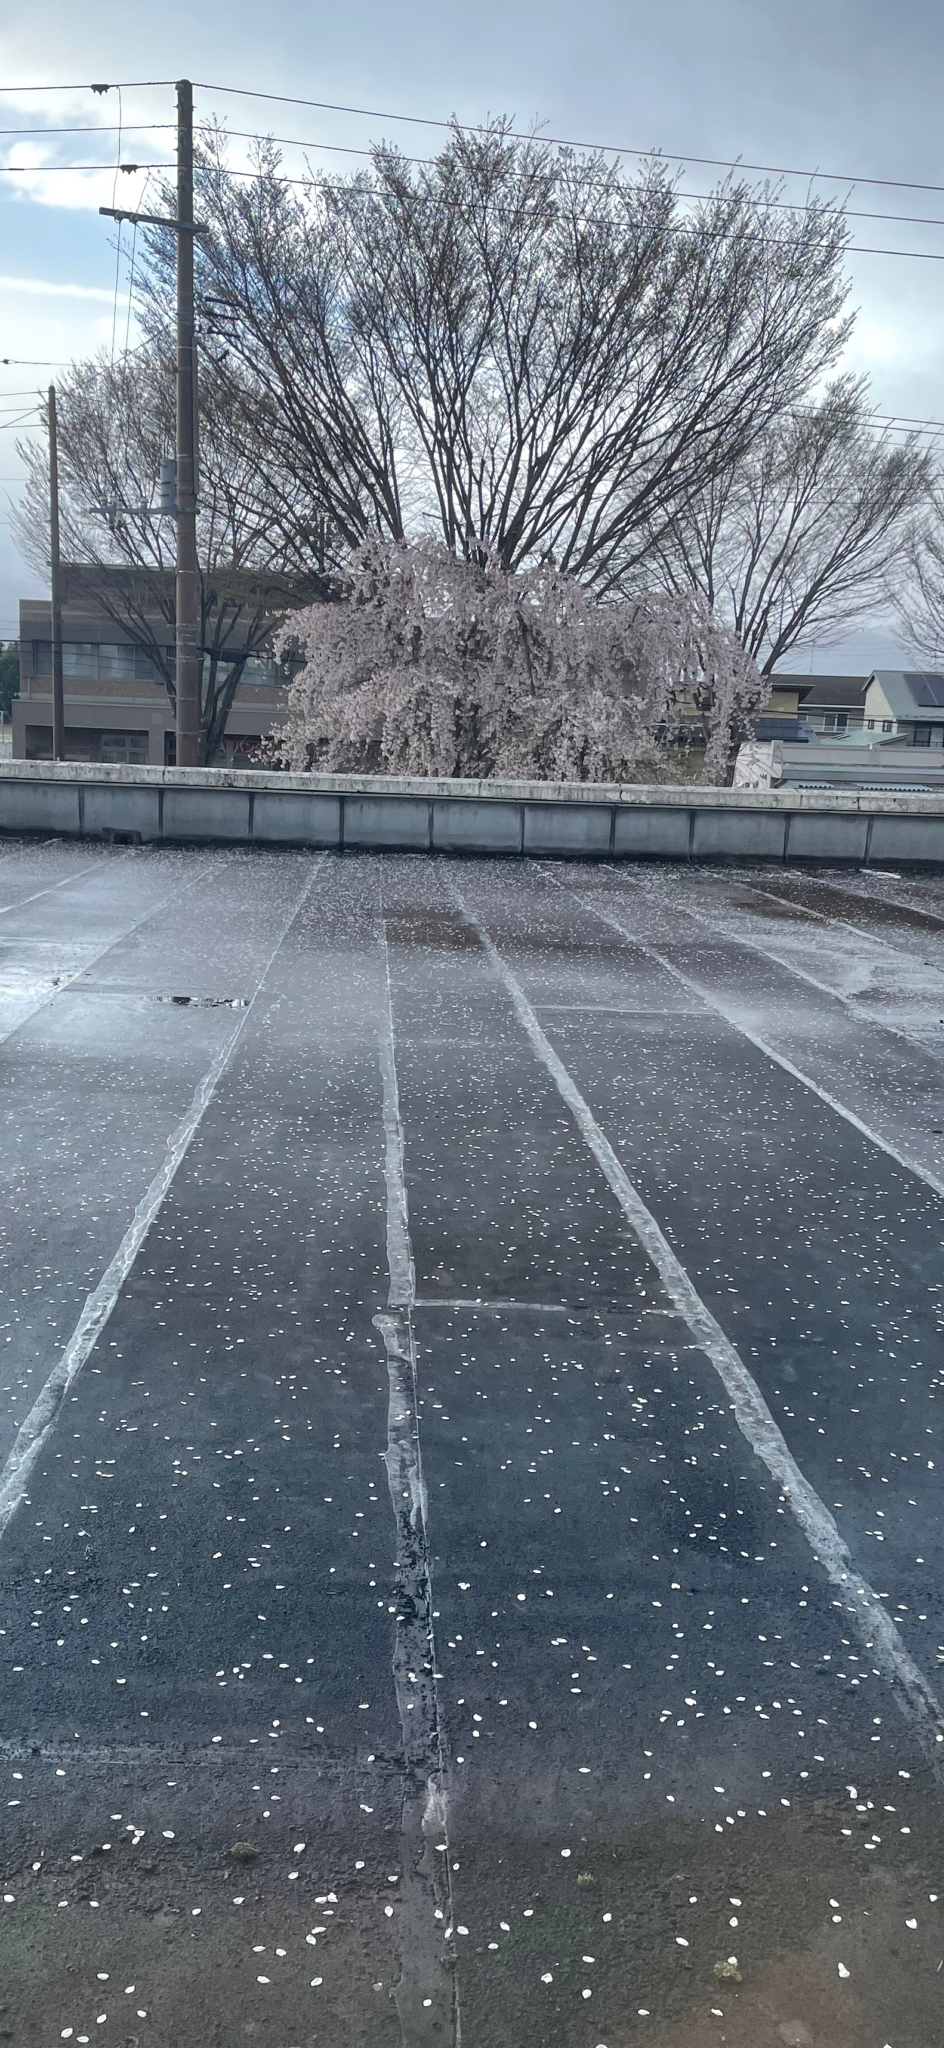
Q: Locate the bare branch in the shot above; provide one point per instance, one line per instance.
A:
(806, 533)
(258, 535)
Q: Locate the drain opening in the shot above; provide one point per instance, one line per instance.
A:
(206, 1002)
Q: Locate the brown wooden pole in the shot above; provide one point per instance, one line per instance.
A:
(188, 570)
(58, 706)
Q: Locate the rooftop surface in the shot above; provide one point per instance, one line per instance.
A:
(471, 1521)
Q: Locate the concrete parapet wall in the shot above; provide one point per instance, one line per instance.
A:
(592, 821)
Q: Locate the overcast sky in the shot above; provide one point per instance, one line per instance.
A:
(845, 86)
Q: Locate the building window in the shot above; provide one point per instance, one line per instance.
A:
(79, 658)
(835, 721)
(888, 725)
(80, 743)
(97, 661)
(115, 663)
(125, 749)
(259, 668)
(870, 722)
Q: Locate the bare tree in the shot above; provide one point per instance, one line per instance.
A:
(257, 540)
(520, 348)
(920, 600)
(805, 533)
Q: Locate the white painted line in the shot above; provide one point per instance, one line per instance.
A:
(869, 902)
(7, 908)
(67, 981)
(751, 1412)
(498, 1308)
(427, 1995)
(825, 916)
(37, 1427)
(402, 1275)
(733, 1015)
(768, 951)
(610, 1009)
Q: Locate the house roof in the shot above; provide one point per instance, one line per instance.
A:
(839, 693)
(824, 692)
(795, 684)
(914, 694)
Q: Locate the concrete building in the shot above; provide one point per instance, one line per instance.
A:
(116, 706)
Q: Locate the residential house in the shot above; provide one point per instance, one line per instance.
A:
(826, 705)
(782, 717)
(906, 705)
(835, 704)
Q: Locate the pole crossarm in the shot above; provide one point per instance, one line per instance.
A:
(157, 220)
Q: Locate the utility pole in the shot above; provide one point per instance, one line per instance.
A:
(187, 689)
(58, 708)
(188, 572)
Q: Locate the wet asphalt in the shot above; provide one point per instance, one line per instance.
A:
(681, 1795)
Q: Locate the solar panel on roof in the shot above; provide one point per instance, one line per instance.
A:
(927, 690)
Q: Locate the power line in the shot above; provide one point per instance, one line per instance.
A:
(114, 193)
(45, 169)
(567, 142)
(346, 149)
(851, 248)
(327, 185)
(906, 418)
(470, 128)
(323, 184)
(128, 84)
(91, 128)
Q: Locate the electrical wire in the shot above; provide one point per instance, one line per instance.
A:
(327, 185)
(227, 171)
(852, 248)
(134, 245)
(114, 195)
(918, 220)
(128, 84)
(46, 169)
(565, 141)
(92, 128)
(470, 128)
(884, 422)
